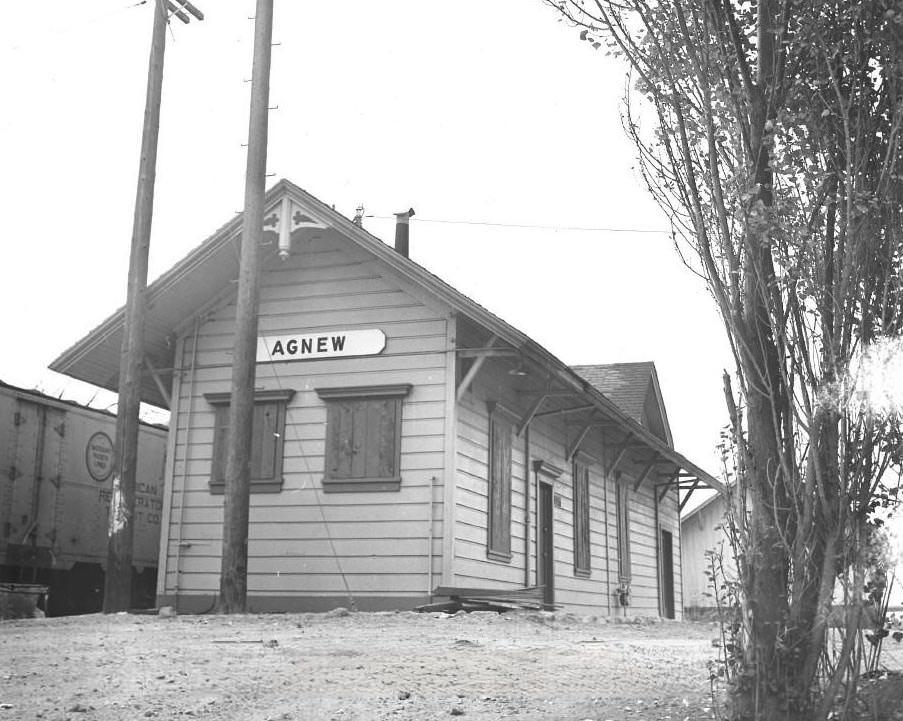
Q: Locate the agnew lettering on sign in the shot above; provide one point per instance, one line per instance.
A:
(331, 344)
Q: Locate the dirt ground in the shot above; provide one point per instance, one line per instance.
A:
(359, 666)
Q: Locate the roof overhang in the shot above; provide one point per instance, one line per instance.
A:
(672, 468)
(190, 287)
(197, 283)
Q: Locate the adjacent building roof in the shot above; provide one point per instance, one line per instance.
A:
(198, 281)
(702, 506)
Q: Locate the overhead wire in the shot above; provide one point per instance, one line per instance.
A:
(527, 226)
(83, 22)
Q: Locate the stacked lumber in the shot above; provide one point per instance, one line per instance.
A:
(498, 600)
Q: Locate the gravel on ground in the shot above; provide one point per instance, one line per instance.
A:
(346, 666)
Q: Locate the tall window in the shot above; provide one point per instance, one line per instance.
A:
(267, 440)
(499, 541)
(363, 438)
(582, 556)
(623, 503)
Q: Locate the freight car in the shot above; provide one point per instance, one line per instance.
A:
(55, 488)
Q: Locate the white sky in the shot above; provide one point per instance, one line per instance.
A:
(482, 110)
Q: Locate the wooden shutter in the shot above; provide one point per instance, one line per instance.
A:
(582, 556)
(267, 439)
(265, 443)
(363, 437)
(220, 434)
(623, 532)
(384, 432)
(500, 487)
(340, 440)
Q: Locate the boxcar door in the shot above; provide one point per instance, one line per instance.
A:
(545, 563)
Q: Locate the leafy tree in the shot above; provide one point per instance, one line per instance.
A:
(776, 148)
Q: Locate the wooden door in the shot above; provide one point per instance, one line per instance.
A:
(667, 573)
(545, 564)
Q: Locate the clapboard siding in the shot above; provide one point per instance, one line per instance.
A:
(305, 542)
(549, 437)
(472, 566)
(312, 528)
(425, 430)
(417, 343)
(303, 584)
(300, 563)
(414, 369)
(702, 532)
(302, 540)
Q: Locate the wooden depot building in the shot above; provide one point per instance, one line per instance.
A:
(405, 437)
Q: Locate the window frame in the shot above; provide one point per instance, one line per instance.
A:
(333, 398)
(499, 471)
(221, 402)
(583, 557)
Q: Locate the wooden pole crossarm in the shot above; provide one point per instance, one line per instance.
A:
(644, 474)
(178, 12)
(155, 374)
(528, 416)
(572, 451)
(472, 372)
(191, 8)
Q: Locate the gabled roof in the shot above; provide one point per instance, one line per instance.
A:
(629, 385)
(200, 278)
(702, 506)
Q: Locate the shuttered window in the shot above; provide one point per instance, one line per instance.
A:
(623, 505)
(499, 531)
(267, 439)
(582, 557)
(363, 438)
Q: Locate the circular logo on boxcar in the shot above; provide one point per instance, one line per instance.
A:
(99, 456)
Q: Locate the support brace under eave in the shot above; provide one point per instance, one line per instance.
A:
(158, 381)
(623, 448)
(572, 451)
(528, 416)
(672, 479)
(687, 497)
(644, 475)
(472, 372)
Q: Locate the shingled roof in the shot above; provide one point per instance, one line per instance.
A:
(628, 386)
(625, 383)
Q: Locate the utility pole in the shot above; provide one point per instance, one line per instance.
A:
(233, 593)
(118, 585)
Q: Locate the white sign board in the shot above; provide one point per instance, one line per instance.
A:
(330, 344)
